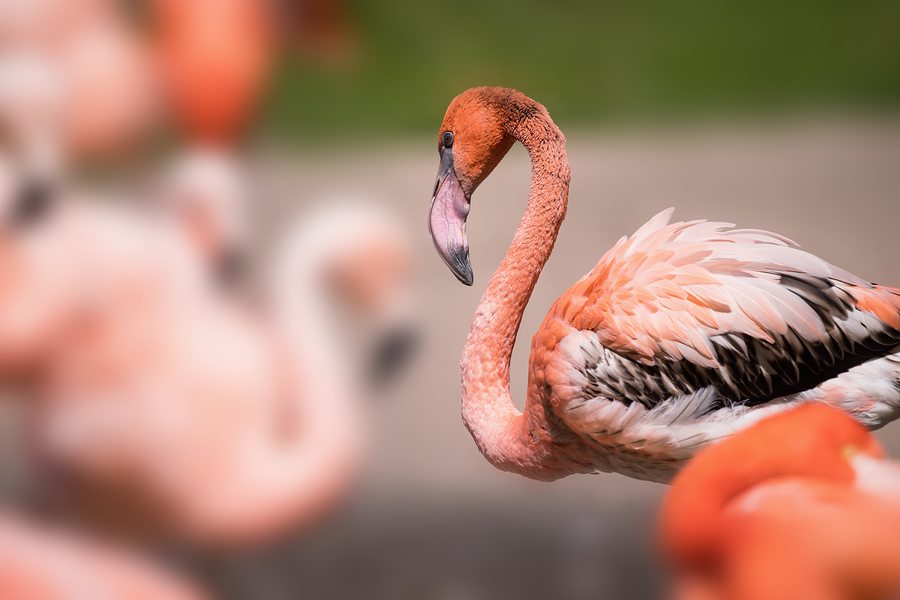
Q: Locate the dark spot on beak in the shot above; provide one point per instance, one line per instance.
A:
(34, 200)
(460, 265)
(229, 266)
(392, 351)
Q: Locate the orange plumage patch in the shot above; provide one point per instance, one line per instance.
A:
(882, 301)
(812, 441)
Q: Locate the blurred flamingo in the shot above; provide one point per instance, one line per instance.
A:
(216, 56)
(33, 304)
(61, 255)
(65, 254)
(206, 196)
(192, 418)
(681, 335)
(114, 97)
(112, 88)
(40, 563)
(799, 505)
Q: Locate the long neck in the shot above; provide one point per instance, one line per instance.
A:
(488, 410)
(311, 467)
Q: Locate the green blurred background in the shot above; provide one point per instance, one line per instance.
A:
(596, 62)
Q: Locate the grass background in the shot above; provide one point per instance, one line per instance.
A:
(597, 62)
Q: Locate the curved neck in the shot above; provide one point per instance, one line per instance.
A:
(488, 410)
(297, 476)
(322, 387)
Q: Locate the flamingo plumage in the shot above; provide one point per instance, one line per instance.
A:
(205, 194)
(801, 504)
(37, 562)
(215, 57)
(179, 413)
(107, 68)
(681, 335)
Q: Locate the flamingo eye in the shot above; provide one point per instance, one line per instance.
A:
(447, 139)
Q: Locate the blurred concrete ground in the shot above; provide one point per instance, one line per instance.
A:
(432, 519)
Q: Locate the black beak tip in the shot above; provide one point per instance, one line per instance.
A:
(392, 352)
(229, 266)
(466, 278)
(461, 267)
(33, 202)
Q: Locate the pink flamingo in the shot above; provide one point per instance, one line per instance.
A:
(191, 418)
(39, 563)
(681, 335)
(114, 91)
(112, 95)
(745, 519)
(215, 57)
(61, 253)
(205, 195)
(33, 300)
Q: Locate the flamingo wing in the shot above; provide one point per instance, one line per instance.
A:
(686, 332)
(685, 307)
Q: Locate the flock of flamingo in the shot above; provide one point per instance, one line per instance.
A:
(165, 403)
(162, 403)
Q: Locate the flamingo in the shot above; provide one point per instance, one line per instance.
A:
(45, 224)
(205, 195)
(112, 95)
(194, 419)
(745, 519)
(215, 57)
(682, 334)
(39, 562)
(151, 384)
(114, 98)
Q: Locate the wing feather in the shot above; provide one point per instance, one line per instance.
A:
(699, 303)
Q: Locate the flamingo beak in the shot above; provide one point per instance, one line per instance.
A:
(229, 265)
(392, 351)
(33, 202)
(447, 221)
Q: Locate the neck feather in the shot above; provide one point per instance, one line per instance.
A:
(488, 411)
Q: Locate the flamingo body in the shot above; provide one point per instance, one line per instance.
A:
(685, 332)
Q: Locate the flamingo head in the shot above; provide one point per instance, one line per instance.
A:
(205, 195)
(31, 105)
(372, 277)
(475, 135)
(355, 260)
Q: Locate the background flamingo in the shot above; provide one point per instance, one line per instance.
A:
(216, 56)
(112, 91)
(196, 393)
(64, 251)
(40, 563)
(206, 195)
(802, 504)
(682, 333)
